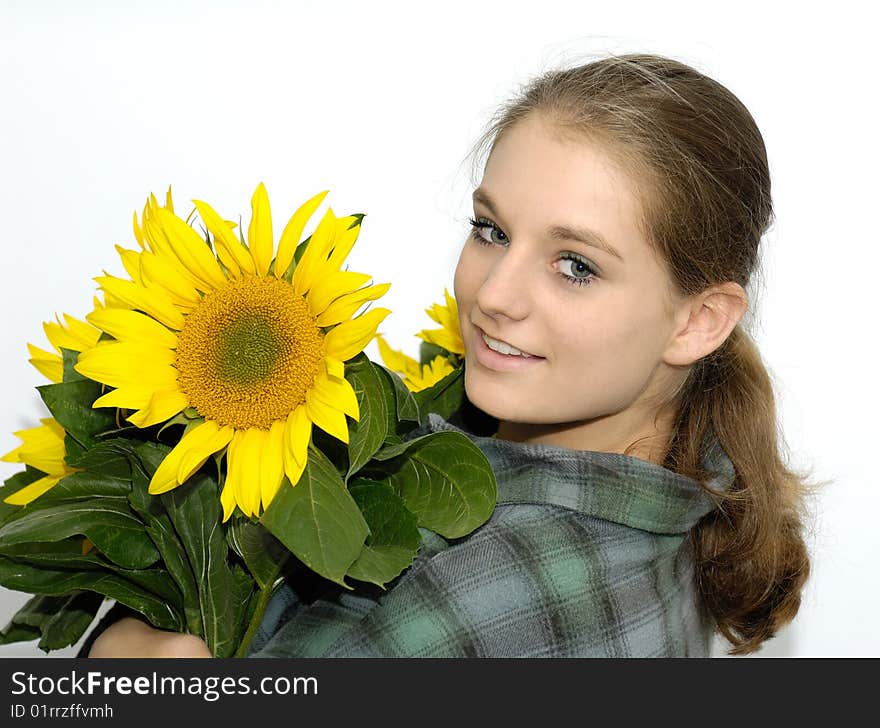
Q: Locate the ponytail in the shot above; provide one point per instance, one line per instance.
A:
(751, 558)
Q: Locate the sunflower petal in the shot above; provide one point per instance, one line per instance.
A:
(347, 230)
(293, 231)
(192, 251)
(260, 240)
(208, 438)
(350, 337)
(345, 307)
(327, 417)
(127, 325)
(227, 500)
(32, 491)
(315, 256)
(131, 261)
(161, 271)
(243, 468)
(297, 435)
(155, 302)
(164, 404)
(272, 463)
(166, 476)
(231, 252)
(335, 367)
(122, 362)
(46, 363)
(327, 289)
(336, 394)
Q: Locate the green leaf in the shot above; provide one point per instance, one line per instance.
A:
(84, 485)
(428, 351)
(14, 632)
(407, 409)
(375, 398)
(260, 550)
(130, 591)
(194, 509)
(444, 397)
(318, 519)
(71, 404)
(446, 481)
(161, 531)
(60, 621)
(69, 359)
(108, 457)
(108, 522)
(394, 533)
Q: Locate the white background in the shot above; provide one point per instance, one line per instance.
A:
(104, 102)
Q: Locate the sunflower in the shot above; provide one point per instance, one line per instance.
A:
(248, 343)
(42, 448)
(418, 377)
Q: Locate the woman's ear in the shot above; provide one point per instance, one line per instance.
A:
(704, 321)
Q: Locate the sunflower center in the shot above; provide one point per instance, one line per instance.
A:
(248, 353)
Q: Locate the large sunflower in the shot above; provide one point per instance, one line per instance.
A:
(243, 336)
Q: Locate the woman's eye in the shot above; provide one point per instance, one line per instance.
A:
(480, 225)
(580, 271)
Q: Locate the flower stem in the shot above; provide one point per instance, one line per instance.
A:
(257, 617)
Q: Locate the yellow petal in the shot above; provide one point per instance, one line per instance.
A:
(336, 393)
(152, 301)
(119, 363)
(293, 231)
(327, 289)
(335, 367)
(347, 230)
(131, 261)
(345, 307)
(32, 491)
(394, 359)
(160, 271)
(227, 500)
(206, 439)
(327, 417)
(138, 233)
(260, 240)
(297, 435)
(315, 256)
(243, 468)
(231, 252)
(192, 251)
(46, 363)
(272, 463)
(164, 404)
(350, 337)
(127, 325)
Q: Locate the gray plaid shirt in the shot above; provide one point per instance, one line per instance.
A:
(585, 555)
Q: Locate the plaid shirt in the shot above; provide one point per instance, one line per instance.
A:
(585, 555)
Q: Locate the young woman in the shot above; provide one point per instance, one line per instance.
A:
(643, 502)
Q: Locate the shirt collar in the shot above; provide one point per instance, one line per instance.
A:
(611, 486)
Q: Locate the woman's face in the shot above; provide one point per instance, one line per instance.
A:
(595, 319)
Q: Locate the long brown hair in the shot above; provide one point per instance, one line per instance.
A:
(699, 163)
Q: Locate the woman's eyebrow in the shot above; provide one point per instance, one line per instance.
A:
(559, 232)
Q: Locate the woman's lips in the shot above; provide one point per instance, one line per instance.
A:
(497, 361)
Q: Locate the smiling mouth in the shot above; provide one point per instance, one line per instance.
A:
(502, 347)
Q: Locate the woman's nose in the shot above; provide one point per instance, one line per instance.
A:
(506, 288)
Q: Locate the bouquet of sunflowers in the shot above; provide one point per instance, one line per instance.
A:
(215, 422)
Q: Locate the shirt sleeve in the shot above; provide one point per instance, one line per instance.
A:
(513, 588)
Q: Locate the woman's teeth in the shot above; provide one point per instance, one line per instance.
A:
(503, 348)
